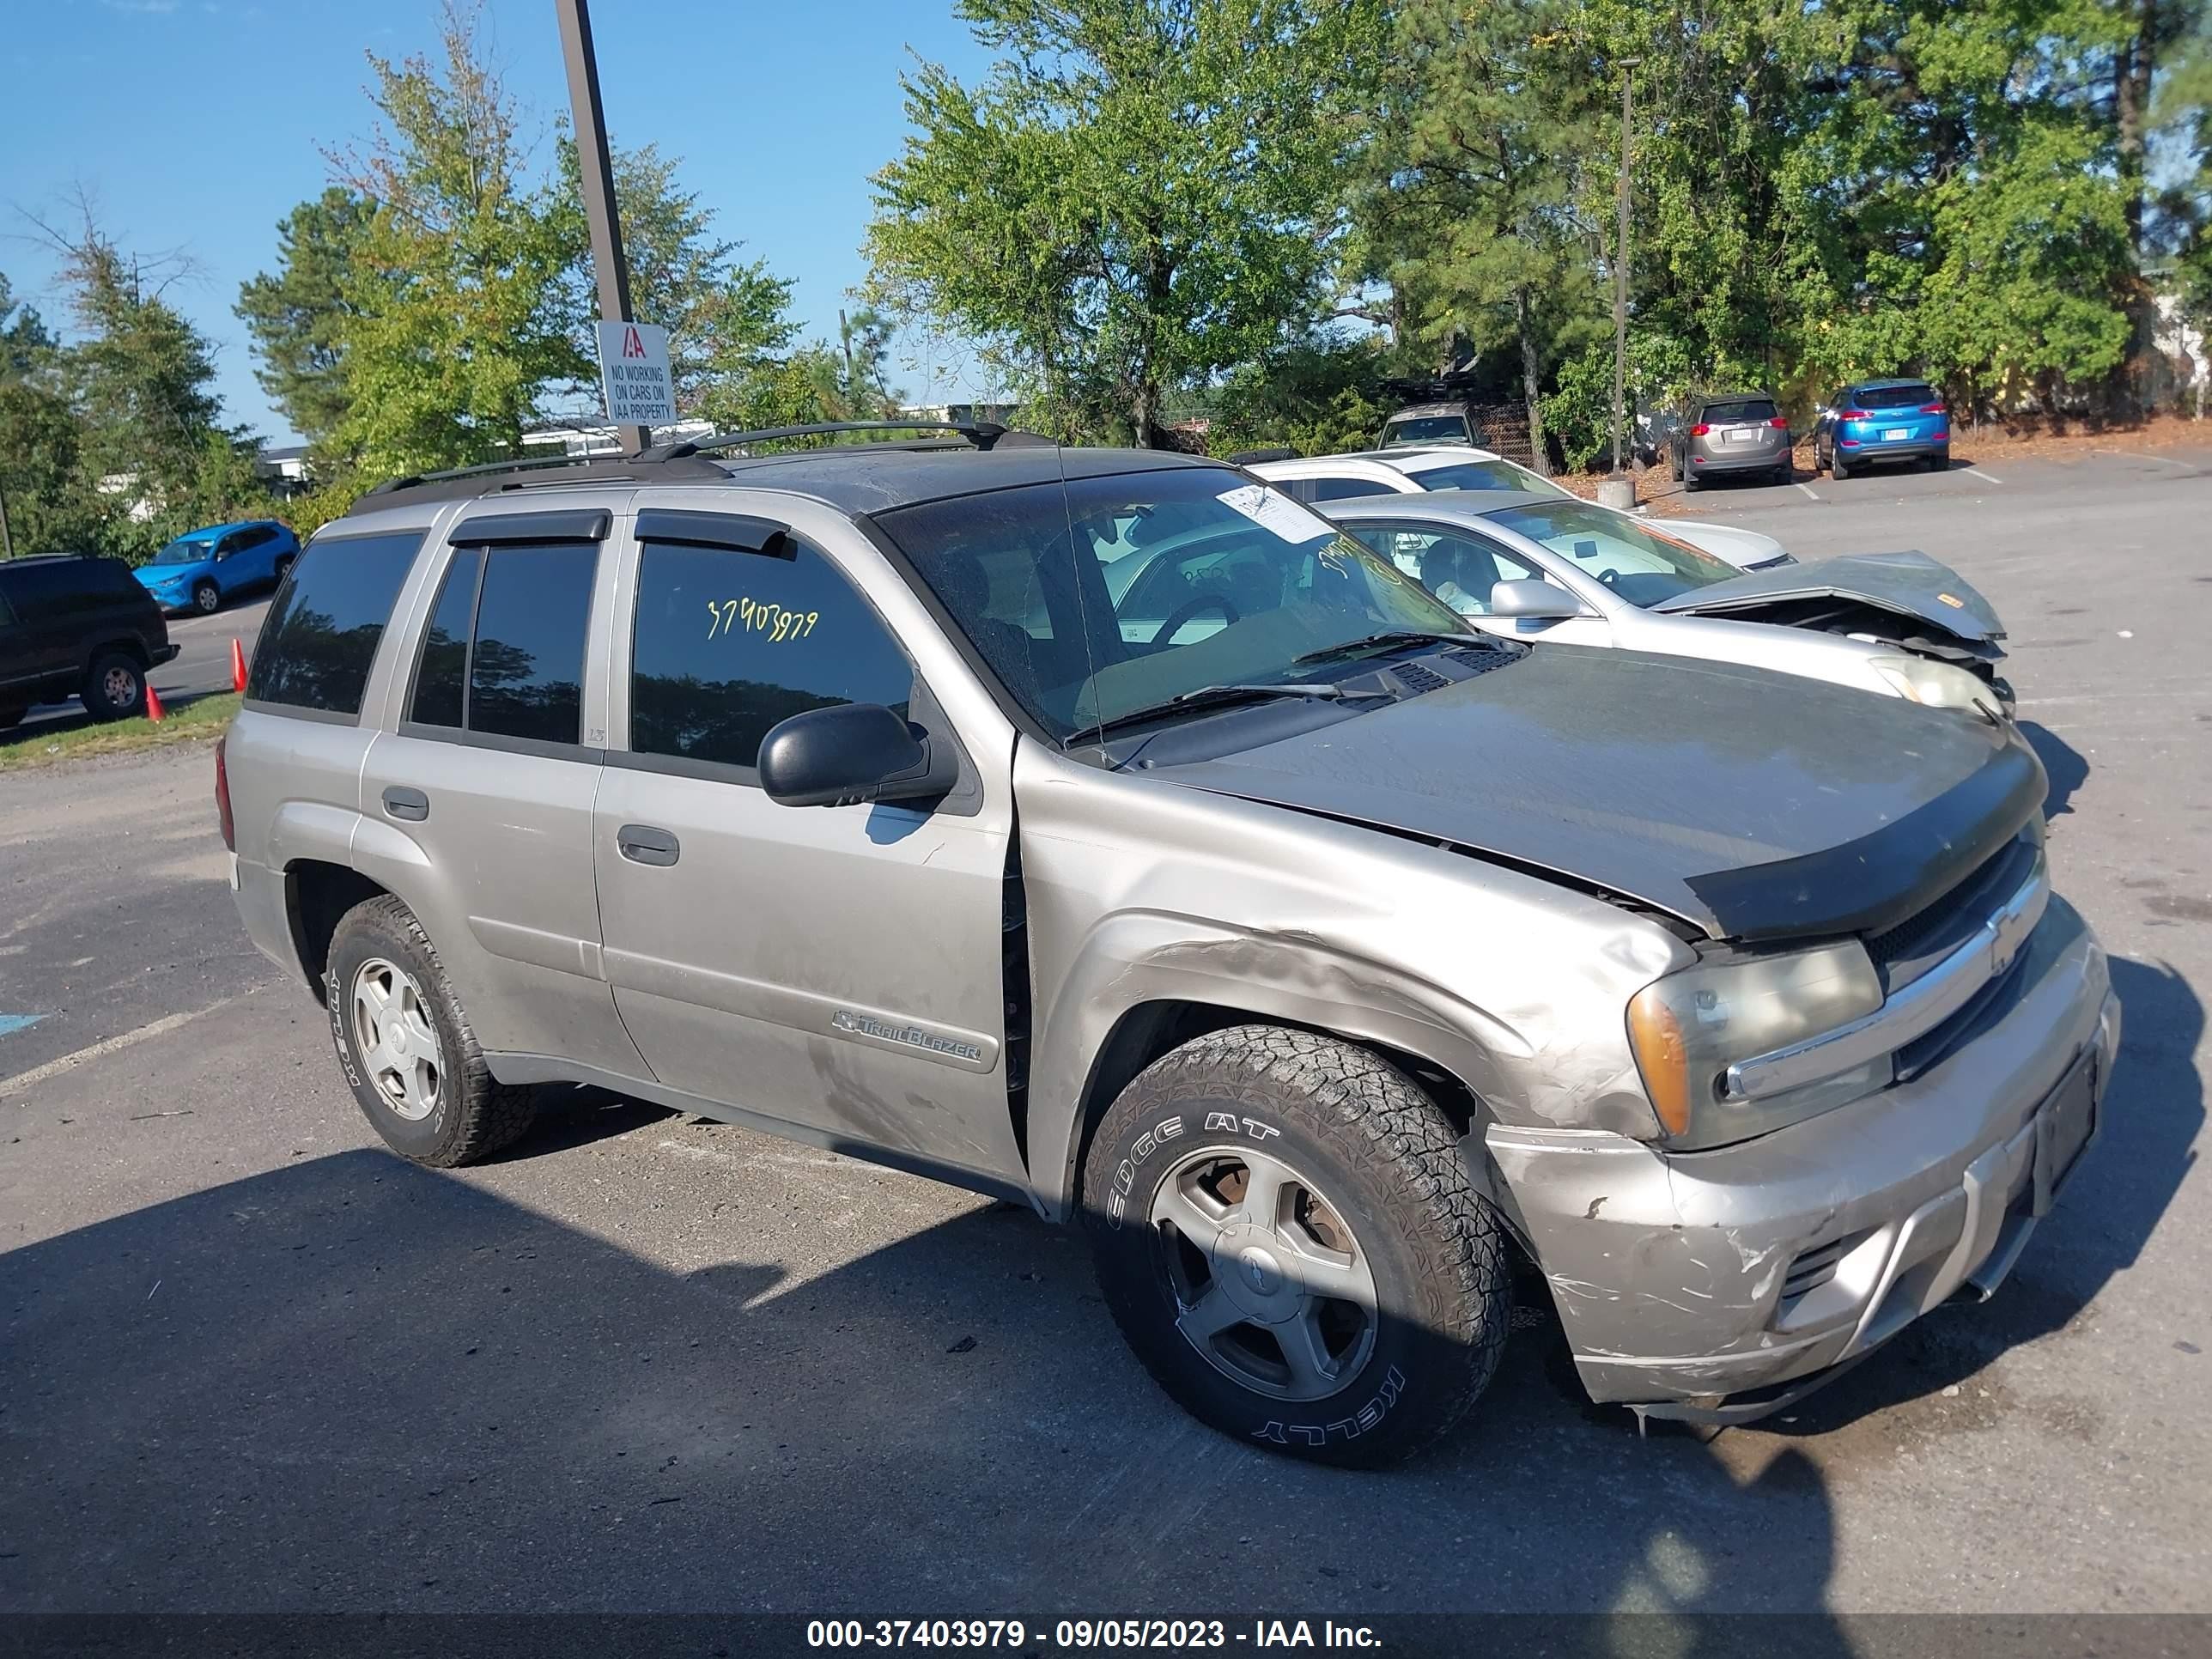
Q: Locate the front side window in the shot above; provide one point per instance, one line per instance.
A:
(729, 643)
(1643, 567)
(503, 655)
(320, 638)
(1137, 588)
(1460, 570)
(1498, 477)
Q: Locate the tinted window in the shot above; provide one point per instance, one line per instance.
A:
(727, 644)
(1894, 397)
(1343, 489)
(253, 538)
(1738, 409)
(526, 672)
(321, 634)
(1500, 477)
(442, 676)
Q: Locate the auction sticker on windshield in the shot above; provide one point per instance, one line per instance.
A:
(1274, 511)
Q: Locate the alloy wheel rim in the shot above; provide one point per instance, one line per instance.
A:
(121, 686)
(1268, 1283)
(396, 1039)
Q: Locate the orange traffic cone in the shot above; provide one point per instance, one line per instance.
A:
(237, 666)
(153, 710)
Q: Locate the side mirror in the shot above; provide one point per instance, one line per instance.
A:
(1538, 601)
(855, 752)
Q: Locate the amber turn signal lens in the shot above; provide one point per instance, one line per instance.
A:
(1656, 1036)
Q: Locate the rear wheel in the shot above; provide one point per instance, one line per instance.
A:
(114, 686)
(406, 1048)
(1285, 1232)
(1837, 469)
(1787, 472)
(207, 597)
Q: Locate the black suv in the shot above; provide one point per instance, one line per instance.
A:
(77, 628)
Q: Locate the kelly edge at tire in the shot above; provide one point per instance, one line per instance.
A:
(472, 1116)
(1370, 1170)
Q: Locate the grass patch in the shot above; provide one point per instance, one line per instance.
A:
(195, 722)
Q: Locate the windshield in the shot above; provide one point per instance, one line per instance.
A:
(1427, 430)
(1488, 475)
(185, 551)
(1643, 567)
(1112, 594)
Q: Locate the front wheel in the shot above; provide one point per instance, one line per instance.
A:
(207, 597)
(406, 1046)
(1284, 1229)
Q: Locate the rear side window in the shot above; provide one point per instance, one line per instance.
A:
(728, 643)
(321, 636)
(1341, 490)
(503, 655)
(1739, 408)
(1894, 397)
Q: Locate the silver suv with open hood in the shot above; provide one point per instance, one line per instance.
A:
(1103, 830)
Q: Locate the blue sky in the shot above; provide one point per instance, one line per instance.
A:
(196, 124)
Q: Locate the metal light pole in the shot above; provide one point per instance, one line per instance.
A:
(598, 174)
(1621, 275)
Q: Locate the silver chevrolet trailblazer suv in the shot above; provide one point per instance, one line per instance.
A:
(1102, 830)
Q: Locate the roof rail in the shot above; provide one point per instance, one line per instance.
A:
(408, 481)
(981, 433)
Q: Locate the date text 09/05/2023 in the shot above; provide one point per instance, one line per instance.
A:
(1087, 1633)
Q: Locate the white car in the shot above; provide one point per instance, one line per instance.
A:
(1561, 570)
(1408, 472)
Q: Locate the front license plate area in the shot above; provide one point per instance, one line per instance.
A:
(2063, 1126)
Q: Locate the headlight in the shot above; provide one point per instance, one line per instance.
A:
(1938, 685)
(1690, 1027)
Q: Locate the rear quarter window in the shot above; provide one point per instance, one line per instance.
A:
(321, 637)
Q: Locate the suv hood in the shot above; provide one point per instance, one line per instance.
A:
(1910, 584)
(1750, 804)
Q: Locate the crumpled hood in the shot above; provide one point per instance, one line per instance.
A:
(1751, 805)
(1909, 583)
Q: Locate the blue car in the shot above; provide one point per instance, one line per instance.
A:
(1883, 421)
(199, 571)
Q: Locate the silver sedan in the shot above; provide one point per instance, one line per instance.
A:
(1900, 624)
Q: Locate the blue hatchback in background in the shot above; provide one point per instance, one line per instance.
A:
(199, 571)
(1883, 421)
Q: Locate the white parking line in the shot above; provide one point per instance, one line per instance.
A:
(167, 1023)
(1809, 496)
(2139, 455)
(1983, 475)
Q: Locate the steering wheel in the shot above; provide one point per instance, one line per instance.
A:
(1189, 608)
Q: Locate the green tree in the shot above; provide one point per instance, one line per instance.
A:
(456, 319)
(1467, 193)
(1139, 194)
(296, 316)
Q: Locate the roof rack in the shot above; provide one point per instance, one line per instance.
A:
(408, 481)
(980, 433)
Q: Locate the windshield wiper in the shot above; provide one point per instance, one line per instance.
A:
(1214, 696)
(1387, 637)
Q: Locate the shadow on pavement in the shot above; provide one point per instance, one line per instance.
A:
(352, 1384)
(2065, 764)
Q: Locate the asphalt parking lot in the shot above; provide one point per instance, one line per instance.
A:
(249, 1361)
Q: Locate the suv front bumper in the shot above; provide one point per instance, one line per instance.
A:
(1683, 1278)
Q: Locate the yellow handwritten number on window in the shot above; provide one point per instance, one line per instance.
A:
(759, 616)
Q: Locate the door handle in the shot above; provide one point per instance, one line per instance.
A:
(400, 802)
(641, 843)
